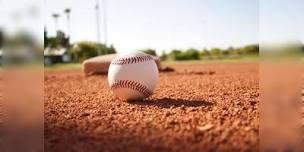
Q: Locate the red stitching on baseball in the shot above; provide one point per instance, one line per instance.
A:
(131, 85)
(131, 60)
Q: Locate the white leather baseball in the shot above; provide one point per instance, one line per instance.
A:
(133, 76)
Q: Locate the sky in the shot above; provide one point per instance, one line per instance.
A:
(281, 20)
(162, 24)
(26, 16)
(167, 24)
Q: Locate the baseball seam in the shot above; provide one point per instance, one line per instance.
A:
(131, 60)
(131, 85)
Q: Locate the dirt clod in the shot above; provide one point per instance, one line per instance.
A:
(205, 127)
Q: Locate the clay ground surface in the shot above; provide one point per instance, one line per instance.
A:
(199, 107)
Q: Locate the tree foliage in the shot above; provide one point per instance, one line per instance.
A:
(149, 51)
(250, 49)
(60, 40)
(163, 56)
(87, 49)
(45, 38)
(1, 38)
(191, 54)
(216, 53)
(213, 53)
(175, 55)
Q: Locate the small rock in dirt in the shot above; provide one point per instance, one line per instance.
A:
(182, 107)
(167, 69)
(98, 129)
(84, 114)
(247, 128)
(208, 116)
(211, 72)
(236, 123)
(167, 113)
(205, 127)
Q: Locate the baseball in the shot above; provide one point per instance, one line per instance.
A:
(133, 76)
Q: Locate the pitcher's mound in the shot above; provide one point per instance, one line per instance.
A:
(100, 64)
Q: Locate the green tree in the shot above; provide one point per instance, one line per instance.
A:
(103, 49)
(238, 51)
(232, 52)
(149, 51)
(228, 52)
(84, 50)
(1, 38)
(45, 38)
(87, 49)
(191, 54)
(59, 41)
(175, 55)
(62, 39)
(205, 53)
(250, 49)
(52, 42)
(111, 50)
(216, 53)
(164, 56)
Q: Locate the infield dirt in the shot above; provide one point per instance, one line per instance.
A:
(198, 107)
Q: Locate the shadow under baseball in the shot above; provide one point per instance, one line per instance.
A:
(169, 102)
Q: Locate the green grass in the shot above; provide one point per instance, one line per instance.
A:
(251, 58)
(64, 66)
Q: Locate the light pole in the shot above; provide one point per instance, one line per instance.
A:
(104, 21)
(97, 20)
(56, 16)
(67, 11)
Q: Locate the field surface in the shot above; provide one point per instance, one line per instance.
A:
(198, 107)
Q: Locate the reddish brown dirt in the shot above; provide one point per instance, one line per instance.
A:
(201, 107)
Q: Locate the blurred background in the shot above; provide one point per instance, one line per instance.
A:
(48, 33)
(173, 30)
